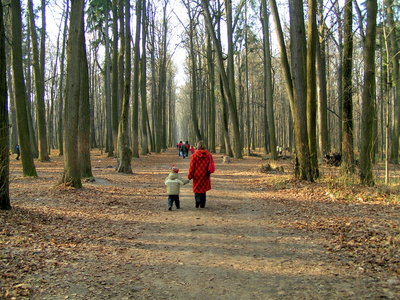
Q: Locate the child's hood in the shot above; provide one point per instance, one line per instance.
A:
(173, 176)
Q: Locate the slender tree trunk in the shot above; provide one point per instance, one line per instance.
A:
(298, 55)
(143, 83)
(20, 97)
(107, 74)
(321, 82)
(269, 104)
(4, 126)
(226, 84)
(84, 112)
(114, 78)
(136, 70)
(39, 84)
(312, 87)
(72, 175)
(395, 79)
(124, 151)
(211, 80)
(347, 104)
(368, 107)
(61, 85)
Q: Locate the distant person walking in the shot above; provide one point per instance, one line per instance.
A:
(200, 168)
(17, 151)
(184, 150)
(179, 148)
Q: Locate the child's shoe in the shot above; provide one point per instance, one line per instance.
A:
(169, 207)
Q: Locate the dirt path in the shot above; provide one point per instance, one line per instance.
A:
(115, 238)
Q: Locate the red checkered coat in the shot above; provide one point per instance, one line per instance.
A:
(198, 171)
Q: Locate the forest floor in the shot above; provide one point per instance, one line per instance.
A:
(261, 235)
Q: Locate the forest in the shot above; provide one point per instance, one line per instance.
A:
(312, 78)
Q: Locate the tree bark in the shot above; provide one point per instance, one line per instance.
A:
(298, 55)
(39, 84)
(312, 87)
(72, 175)
(20, 97)
(114, 75)
(124, 151)
(347, 93)
(84, 112)
(143, 83)
(368, 105)
(4, 126)
(136, 71)
(269, 104)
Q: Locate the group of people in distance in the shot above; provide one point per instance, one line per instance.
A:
(184, 149)
(200, 169)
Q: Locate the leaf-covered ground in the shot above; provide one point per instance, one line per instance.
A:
(261, 235)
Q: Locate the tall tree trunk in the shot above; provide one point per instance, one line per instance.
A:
(114, 78)
(347, 94)
(61, 85)
(72, 175)
(136, 70)
(143, 83)
(312, 87)
(269, 104)
(395, 79)
(321, 81)
(193, 70)
(368, 107)
(107, 74)
(20, 97)
(298, 62)
(124, 151)
(211, 91)
(39, 83)
(84, 112)
(4, 126)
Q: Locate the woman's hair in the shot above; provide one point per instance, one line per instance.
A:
(201, 145)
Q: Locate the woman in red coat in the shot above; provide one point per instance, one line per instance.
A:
(199, 172)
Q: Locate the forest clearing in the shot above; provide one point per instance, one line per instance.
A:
(261, 235)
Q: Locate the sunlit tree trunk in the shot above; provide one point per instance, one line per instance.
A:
(298, 65)
(20, 97)
(323, 133)
(368, 106)
(312, 86)
(72, 175)
(61, 84)
(4, 126)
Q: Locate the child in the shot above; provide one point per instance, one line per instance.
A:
(192, 149)
(173, 183)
